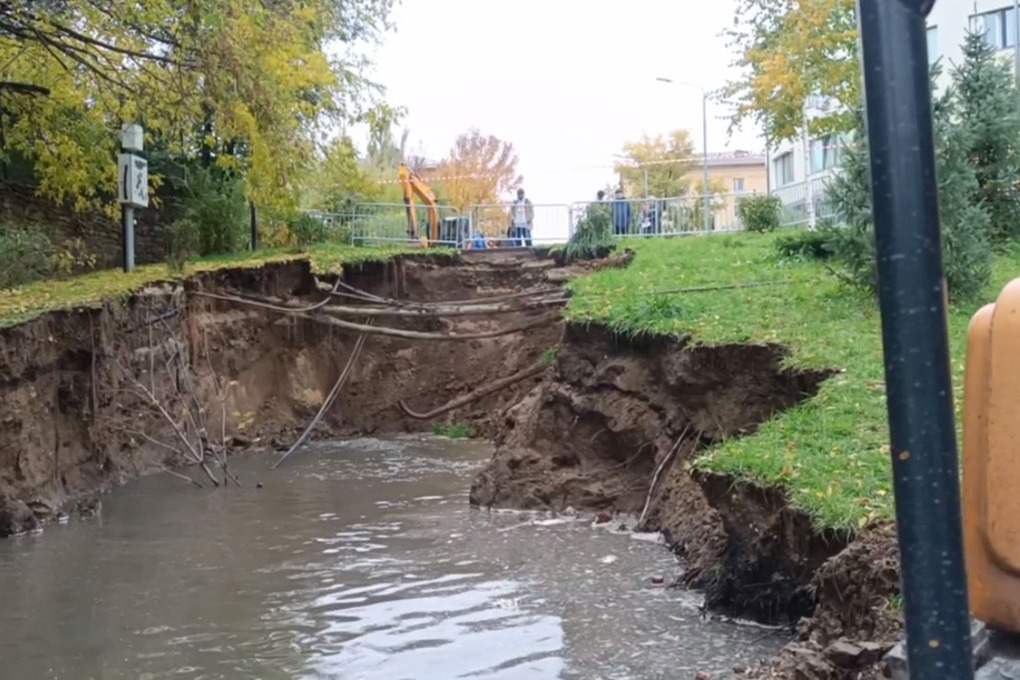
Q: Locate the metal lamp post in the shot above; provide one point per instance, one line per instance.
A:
(132, 185)
(704, 145)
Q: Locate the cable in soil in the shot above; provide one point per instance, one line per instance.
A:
(330, 398)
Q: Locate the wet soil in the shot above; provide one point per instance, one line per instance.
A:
(610, 427)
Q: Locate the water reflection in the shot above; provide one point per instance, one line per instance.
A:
(358, 560)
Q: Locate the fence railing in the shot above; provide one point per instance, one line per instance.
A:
(492, 225)
(677, 216)
(794, 201)
(376, 224)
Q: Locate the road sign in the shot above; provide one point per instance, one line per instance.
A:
(133, 180)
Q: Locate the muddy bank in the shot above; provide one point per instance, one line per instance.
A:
(621, 413)
(617, 411)
(75, 410)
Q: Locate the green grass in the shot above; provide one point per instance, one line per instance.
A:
(830, 453)
(26, 302)
(455, 431)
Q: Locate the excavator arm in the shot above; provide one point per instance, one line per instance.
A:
(415, 186)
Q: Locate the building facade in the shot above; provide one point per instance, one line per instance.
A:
(799, 169)
(735, 174)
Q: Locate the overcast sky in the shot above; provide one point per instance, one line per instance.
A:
(565, 81)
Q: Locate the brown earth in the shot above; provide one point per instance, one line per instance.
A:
(591, 433)
(73, 421)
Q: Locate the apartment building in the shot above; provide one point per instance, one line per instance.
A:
(800, 168)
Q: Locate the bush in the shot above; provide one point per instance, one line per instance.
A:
(811, 245)
(72, 257)
(593, 238)
(25, 255)
(214, 213)
(759, 214)
(307, 230)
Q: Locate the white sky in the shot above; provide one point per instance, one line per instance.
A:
(567, 84)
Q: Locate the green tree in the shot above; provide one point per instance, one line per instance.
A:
(247, 85)
(789, 51)
(666, 161)
(965, 219)
(985, 100)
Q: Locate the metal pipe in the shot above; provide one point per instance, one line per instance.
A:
(912, 294)
(704, 160)
(129, 238)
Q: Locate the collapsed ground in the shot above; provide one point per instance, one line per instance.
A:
(744, 420)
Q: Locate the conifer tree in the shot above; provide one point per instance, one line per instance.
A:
(986, 106)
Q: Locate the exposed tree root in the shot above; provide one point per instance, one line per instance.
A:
(475, 395)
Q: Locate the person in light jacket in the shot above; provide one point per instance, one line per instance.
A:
(522, 220)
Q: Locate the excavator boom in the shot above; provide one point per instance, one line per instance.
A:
(413, 186)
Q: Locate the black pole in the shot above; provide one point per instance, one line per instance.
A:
(912, 295)
(253, 215)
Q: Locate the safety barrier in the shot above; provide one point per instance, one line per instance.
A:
(794, 201)
(492, 224)
(652, 217)
(377, 224)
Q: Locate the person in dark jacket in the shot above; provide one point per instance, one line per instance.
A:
(621, 214)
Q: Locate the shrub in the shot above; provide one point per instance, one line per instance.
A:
(72, 257)
(25, 255)
(214, 211)
(593, 238)
(811, 245)
(759, 214)
(307, 230)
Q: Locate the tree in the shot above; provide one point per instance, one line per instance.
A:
(243, 84)
(479, 170)
(789, 51)
(667, 161)
(985, 99)
(964, 217)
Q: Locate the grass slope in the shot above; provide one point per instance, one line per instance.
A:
(830, 453)
(26, 302)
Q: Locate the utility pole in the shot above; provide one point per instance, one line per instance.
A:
(132, 185)
(808, 188)
(704, 160)
(707, 196)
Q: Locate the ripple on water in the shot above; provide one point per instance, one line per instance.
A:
(357, 560)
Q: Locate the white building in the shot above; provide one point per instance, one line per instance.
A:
(799, 167)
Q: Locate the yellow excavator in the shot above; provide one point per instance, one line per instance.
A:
(450, 230)
(413, 186)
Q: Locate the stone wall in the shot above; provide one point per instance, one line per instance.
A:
(19, 205)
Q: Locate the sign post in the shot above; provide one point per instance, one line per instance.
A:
(132, 186)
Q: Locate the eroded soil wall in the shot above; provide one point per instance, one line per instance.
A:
(74, 412)
(620, 409)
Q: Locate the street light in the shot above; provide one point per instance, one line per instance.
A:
(704, 144)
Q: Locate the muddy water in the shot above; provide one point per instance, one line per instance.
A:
(355, 560)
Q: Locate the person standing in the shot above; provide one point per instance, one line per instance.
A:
(522, 219)
(621, 214)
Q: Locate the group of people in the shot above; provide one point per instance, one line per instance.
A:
(623, 214)
(522, 219)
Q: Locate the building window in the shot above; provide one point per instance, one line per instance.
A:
(783, 169)
(826, 153)
(997, 27)
(738, 185)
(933, 44)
